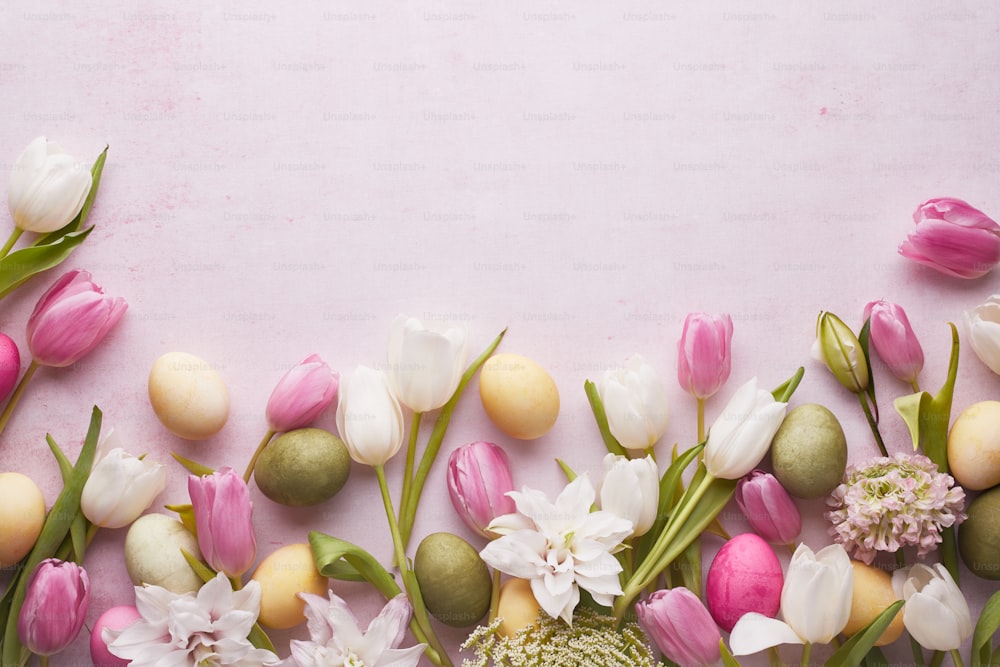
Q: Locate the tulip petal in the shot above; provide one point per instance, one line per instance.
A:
(755, 632)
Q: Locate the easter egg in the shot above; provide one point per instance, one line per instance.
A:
(519, 396)
(744, 576)
(188, 396)
(116, 618)
(979, 535)
(974, 446)
(282, 576)
(302, 467)
(517, 606)
(454, 580)
(153, 553)
(872, 595)
(809, 452)
(10, 365)
(22, 515)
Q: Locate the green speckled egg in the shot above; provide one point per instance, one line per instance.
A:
(979, 535)
(303, 467)
(809, 452)
(454, 580)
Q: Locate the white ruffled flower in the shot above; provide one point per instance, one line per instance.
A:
(560, 547)
(335, 639)
(207, 629)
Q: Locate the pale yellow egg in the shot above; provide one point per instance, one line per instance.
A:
(282, 575)
(517, 606)
(872, 595)
(974, 446)
(519, 396)
(22, 515)
(188, 396)
(153, 553)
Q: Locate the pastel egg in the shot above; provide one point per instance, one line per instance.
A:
(153, 553)
(519, 396)
(873, 594)
(116, 618)
(517, 606)
(22, 515)
(282, 576)
(188, 396)
(809, 452)
(745, 576)
(974, 446)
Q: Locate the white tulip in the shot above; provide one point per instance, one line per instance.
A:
(631, 490)
(121, 486)
(369, 418)
(983, 322)
(47, 187)
(425, 366)
(936, 613)
(741, 435)
(635, 403)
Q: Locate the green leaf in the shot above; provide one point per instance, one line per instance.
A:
(727, 658)
(570, 475)
(718, 494)
(669, 483)
(204, 572)
(329, 551)
(853, 651)
(986, 627)
(193, 466)
(88, 203)
(78, 536)
(690, 567)
(910, 407)
(22, 264)
(260, 639)
(601, 417)
(65, 467)
(783, 392)
(186, 515)
(875, 658)
(863, 338)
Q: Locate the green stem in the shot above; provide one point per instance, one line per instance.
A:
(918, 652)
(413, 591)
(774, 657)
(11, 240)
(872, 423)
(253, 459)
(806, 654)
(16, 396)
(701, 420)
(937, 658)
(411, 457)
(43, 660)
(495, 596)
(915, 386)
(956, 657)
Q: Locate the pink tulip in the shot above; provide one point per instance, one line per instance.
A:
(302, 394)
(478, 481)
(222, 516)
(680, 626)
(894, 340)
(70, 319)
(54, 607)
(704, 354)
(10, 365)
(767, 506)
(953, 238)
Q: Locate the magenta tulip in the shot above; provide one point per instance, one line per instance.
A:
(953, 238)
(704, 354)
(54, 607)
(478, 481)
(10, 365)
(302, 394)
(680, 626)
(70, 319)
(894, 340)
(767, 506)
(222, 515)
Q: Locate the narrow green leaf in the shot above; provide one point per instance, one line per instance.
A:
(78, 536)
(875, 658)
(853, 651)
(570, 475)
(77, 222)
(995, 658)
(193, 466)
(22, 264)
(783, 392)
(204, 572)
(186, 515)
(601, 417)
(669, 484)
(65, 467)
(910, 408)
(864, 338)
(986, 627)
(328, 551)
(260, 639)
(727, 658)
(935, 420)
(690, 566)
(718, 494)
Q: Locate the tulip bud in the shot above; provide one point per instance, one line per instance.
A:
(767, 506)
(704, 354)
(631, 490)
(680, 626)
(478, 481)
(369, 418)
(894, 340)
(838, 348)
(47, 187)
(425, 366)
(54, 607)
(953, 238)
(936, 613)
(222, 515)
(121, 486)
(301, 394)
(10, 365)
(983, 322)
(741, 435)
(635, 403)
(70, 319)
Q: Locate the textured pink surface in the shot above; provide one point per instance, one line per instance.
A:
(285, 181)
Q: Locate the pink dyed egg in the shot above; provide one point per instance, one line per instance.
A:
(745, 576)
(116, 618)
(10, 365)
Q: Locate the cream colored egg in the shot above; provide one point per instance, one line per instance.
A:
(188, 396)
(22, 515)
(873, 594)
(519, 396)
(517, 606)
(974, 446)
(282, 575)
(153, 553)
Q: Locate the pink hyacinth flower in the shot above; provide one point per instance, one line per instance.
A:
(478, 481)
(768, 508)
(302, 394)
(894, 340)
(54, 607)
(704, 354)
(222, 515)
(680, 626)
(953, 238)
(70, 319)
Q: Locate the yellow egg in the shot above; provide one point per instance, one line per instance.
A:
(519, 396)
(282, 575)
(153, 553)
(22, 515)
(188, 396)
(872, 595)
(517, 606)
(974, 446)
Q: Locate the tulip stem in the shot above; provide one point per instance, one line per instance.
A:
(43, 660)
(701, 420)
(253, 459)
(11, 240)
(937, 658)
(16, 396)
(411, 457)
(495, 596)
(806, 654)
(956, 657)
(872, 423)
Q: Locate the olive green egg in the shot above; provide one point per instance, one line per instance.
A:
(809, 452)
(979, 535)
(454, 580)
(302, 467)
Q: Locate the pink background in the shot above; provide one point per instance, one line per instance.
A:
(285, 181)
